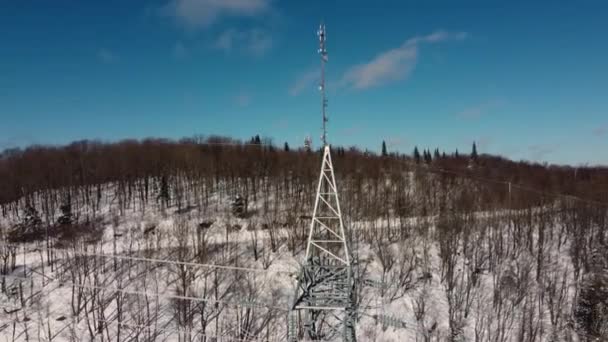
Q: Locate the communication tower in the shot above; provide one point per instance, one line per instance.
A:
(324, 304)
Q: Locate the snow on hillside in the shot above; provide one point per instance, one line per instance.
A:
(150, 275)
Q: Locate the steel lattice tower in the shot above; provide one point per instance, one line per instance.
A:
(324, 305)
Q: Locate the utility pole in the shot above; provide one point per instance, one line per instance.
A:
(324, 304)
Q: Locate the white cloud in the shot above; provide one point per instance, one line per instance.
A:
(255, 41)
(392, 65)
(107, 56)
(395, 64)
(306, 80)
(196, 14)
(437, 37)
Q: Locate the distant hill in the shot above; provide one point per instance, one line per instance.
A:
(23, 172)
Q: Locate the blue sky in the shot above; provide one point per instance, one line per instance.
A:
(527, 81)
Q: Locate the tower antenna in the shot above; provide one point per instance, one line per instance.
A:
(323, 52)
(324, 304)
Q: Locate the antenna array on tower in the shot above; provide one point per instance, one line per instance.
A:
(323, 52)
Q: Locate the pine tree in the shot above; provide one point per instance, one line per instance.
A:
(286, 147)
(416, 155)
(456, 154)
(474, 152)
(239, 207)
(384, 152)
(164, 191)
(437, 156)
(66, 217)
(31, 218)
(428, 158)
(256, 140)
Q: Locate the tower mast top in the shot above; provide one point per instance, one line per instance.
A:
(323, 52)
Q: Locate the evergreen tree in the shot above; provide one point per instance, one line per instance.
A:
(286, 147)
(456, 154)
(384, 152)
(66, 217)
(239, 206)
(428, 158)
(437, 156)
(416, 155)
(31, 218)
(474, 152)
(31, 228)
(164, 191)
(340, 151)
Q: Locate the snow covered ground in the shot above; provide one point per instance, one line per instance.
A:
(168, 275)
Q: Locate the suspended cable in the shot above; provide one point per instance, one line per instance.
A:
(142, 259)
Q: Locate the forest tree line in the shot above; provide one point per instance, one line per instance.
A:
(91, 163)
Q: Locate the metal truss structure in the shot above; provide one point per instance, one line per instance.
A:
(324, 305)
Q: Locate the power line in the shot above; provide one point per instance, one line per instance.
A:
(243, 304)
(185, 263)
(142, 259)
(249, 304)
